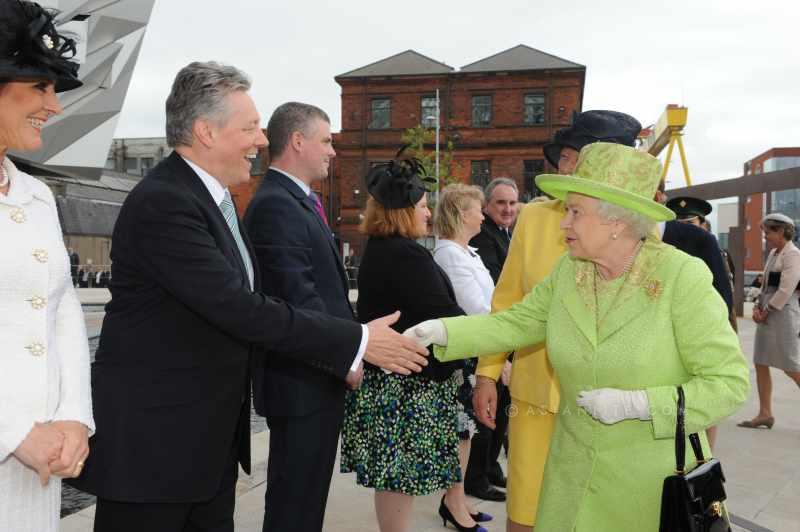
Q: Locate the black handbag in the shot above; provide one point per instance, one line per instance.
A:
(691, 501)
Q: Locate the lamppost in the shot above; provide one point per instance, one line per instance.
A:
(436, 190)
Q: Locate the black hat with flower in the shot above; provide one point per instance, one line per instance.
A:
(31, 48)
(398, 184)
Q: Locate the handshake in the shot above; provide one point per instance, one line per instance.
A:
(55, 448)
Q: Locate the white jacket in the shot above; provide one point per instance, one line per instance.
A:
(471, 280)
(44, 354)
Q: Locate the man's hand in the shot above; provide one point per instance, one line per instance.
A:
(69, 463)
(354, 378)
(428, 332)
(392, 351)
(484, 401)
(42, 445)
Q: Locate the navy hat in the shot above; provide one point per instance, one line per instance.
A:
(686, 207)
(399, 183)
(593, 126)
(32, 49)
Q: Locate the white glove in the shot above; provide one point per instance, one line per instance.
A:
(427, 333)
(609, 405)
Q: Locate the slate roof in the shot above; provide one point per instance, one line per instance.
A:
(520, 57)
(406, 63)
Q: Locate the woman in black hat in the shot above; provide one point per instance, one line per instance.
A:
(400, 433)
(45, 401)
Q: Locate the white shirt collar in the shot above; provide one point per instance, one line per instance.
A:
(305, 188)
(214, 187)
(444, 242)
(661, 227)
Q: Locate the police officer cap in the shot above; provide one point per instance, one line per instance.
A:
(686, 207)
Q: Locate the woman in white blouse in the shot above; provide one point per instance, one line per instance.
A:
(45, 399)
(458, 218)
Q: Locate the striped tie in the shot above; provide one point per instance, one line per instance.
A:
(229, 212)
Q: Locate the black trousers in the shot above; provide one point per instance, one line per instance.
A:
(486, 445)
(302, 452)
(214, 515)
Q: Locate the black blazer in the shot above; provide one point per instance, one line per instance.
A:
(301, 265)
(399, 274)
(699, 243)
(170, 382)
(492, 246)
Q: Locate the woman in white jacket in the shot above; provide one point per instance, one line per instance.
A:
(45, 399)
(458, 219)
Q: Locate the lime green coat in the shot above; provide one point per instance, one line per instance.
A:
(668, 326)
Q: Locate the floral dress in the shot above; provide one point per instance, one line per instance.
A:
(400, 433)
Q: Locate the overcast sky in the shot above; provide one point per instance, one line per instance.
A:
(734, 63)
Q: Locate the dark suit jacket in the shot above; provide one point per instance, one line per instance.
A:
(492, 247)
(170, 382)
(301, 265)
(700, 243)
(399, 274)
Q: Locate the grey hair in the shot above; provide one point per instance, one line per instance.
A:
(288, 118)
(199, 91)
(496, 182)
(637, 224)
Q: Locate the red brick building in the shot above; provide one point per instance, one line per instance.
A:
(498, 112)
(785, 201)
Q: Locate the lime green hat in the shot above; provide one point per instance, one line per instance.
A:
(614, 173)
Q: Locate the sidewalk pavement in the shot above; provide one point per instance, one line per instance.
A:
(762, 469)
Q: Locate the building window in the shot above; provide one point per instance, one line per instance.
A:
(428, 111)
(131, 164)
(534, 109)
(480, 173)
(481, 111)
(381, 117)
(531, 168)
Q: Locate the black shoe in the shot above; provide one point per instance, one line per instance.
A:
(489, 493)
(447, 517)
(481, 517)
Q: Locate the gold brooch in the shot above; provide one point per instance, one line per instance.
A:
(653, 288)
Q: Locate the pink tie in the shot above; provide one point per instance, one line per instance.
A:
(318, 205)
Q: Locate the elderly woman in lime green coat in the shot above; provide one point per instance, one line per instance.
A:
(626, 319)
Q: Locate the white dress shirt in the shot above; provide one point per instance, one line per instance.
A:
(471, 280)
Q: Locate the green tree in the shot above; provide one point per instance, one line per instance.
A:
(421, 144)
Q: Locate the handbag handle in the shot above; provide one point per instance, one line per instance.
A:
(680, 438)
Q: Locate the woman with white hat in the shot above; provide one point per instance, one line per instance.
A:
(777, 313)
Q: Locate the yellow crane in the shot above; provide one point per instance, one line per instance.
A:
(667, 132)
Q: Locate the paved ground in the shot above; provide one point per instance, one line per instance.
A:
(762, 469)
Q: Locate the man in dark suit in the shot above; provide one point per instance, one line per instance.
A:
(74, 264)
(171, 377)
(300, 264)
(689, 237)
(492, 243)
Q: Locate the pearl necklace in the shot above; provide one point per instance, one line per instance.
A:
(4, 179)
(628, 263)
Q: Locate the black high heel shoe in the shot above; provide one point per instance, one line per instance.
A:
(447, 517)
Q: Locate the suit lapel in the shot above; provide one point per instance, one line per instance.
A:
(311, 210)
(218, 223)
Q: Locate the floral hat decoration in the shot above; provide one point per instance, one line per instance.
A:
(614, 173)
(31, 48)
